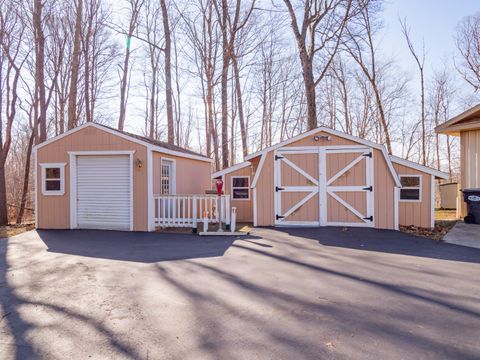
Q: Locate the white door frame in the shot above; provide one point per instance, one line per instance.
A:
(73, 180)
(310, 191)
(324, 189)
(172, 176)
(366, 154)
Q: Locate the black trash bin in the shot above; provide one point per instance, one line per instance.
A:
(472, 198)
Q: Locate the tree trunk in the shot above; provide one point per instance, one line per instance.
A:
(168, 73)
(26, 179)
(72, 97)
(39, 67)
(383, 121)
(310, 95)
(241, 118)
(3, 195)
(123, 87)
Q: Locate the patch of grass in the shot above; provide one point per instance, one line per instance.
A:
(445, 215)
(15, 229)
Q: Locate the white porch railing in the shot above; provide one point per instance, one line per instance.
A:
(189, 210)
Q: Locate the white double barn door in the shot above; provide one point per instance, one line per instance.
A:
(324, 186)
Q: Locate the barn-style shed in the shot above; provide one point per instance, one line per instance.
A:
(328, 178)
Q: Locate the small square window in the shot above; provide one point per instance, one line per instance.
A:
(411, 187)
(53, 179)
(240, 188)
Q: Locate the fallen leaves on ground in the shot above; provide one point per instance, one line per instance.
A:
(437, 233)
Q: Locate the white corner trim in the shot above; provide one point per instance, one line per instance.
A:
(255, 221)
(73, 190)
(35, 187)
(60, 192)
(259, 170)
(150, 203)
(126, 137)
(396, 197)
(419, 167)
(432, 205)
(230, 169)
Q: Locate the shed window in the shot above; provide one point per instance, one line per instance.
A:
(240, 187)
(411, 187)
(53, 179)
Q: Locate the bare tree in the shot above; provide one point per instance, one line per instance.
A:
(362, 49)
(230, 25)
(39, 67)
(468, 45)
(420, 61)
(75, 69)
(135, 7)
(168, 72)
(12, 30)
(202, 32)
(318, 37)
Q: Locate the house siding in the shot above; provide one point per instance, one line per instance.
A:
(192, 176)
(416, 213)
(244, 207)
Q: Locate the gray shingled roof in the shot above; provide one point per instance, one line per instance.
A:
(157, 142)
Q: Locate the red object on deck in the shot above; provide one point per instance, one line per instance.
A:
(219, 184)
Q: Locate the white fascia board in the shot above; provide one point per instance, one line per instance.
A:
(419, 167)
(126, 137)
(230, 169)
(336, 133)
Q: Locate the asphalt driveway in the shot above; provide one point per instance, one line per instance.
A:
(290, 294)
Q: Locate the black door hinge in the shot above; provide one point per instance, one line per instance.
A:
(368, 218)
(370, 188)
(278, 157)
(278, 217)
(277, 189)
(368, 155)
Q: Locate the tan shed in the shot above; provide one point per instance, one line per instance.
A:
(96, 177)
(467, 126)
(326, 178)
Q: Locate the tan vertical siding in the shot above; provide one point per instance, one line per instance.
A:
(470, 163)
(416, 213)
(54, 211)
(383, 186)
(244, 207)
(192, 176)
(265, 194)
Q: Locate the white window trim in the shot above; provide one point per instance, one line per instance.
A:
(237, 187)
(46, 166)
(173, 180)
(420, 188)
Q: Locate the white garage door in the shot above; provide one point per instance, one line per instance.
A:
(103, 192)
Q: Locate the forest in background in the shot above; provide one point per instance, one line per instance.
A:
(222, 77)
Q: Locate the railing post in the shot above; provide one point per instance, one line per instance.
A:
(227, 209)
(195, 217)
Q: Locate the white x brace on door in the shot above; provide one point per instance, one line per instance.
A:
(324, 186)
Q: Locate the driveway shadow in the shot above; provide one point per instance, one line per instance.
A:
(134, 246)
(386, 241)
